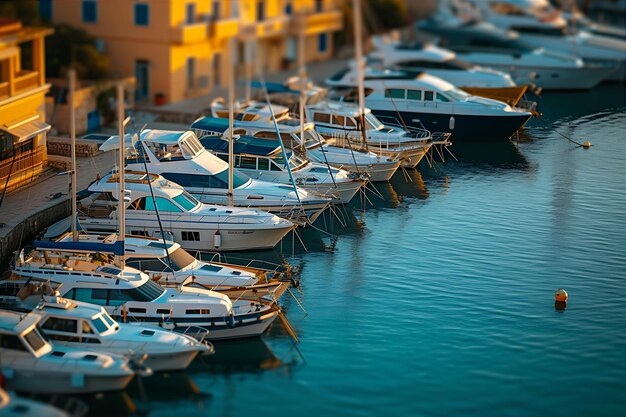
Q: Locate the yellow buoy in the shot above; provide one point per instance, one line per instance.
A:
(586, 144)
(560, 295)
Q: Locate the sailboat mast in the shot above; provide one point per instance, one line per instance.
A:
(302, 75)
(358, 51)
(121, 209)
(231, 123)
(72, 88)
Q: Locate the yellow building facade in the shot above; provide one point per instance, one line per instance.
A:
(22, 104)
(179, 49)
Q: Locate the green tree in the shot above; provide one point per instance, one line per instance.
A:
(26, 11)
(70, 47)
(385, 14)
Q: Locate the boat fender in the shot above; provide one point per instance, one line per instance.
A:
(451, 123)
(231, 321)
(124, 314)
(217, 239)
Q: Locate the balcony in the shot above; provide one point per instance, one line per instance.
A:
(314, 23)
(275, 26)
(23, 81)
(190, 33)
(224, 28)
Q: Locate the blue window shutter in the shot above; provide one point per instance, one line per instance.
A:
(142, 14)
(322, 42)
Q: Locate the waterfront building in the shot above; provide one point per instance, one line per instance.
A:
(22, 104)
(179, 49)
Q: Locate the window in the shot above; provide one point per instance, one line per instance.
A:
(339, 120)
(90, 11)
(247, 162)
(186, 200)
(34, 339)
(350, 122)
(216, 9)
(139, 232)
(264, 164)
(319, 6)
(10, 341)
(191, 74)
(61, 325)
(322, 42)
(198, 311)
(190, 13)
(394, 93)
(288, 9)
(162, 205)
(45, 9)
(260, 11)
(429, 96)
(321, 118)
(142, 14)
(99, 325)
(190, 236)
(86, 328)
(414, 94)
(442, 98)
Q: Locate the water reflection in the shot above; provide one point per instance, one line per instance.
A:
(502, 155)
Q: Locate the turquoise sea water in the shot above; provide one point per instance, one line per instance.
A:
(441, 302)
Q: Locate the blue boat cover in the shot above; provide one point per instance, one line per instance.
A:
(211, 124)
(273, 87)
(244, 145)
(116, 248)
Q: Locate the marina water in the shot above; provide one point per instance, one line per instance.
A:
(441, 301)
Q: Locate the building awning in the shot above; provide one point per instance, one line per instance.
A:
(26, 130)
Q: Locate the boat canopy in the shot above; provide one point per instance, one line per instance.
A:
(243, 145)
(116, 248)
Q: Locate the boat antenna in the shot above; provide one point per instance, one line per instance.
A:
(72, 88)
(302, 74)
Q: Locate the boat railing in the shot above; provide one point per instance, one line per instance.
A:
(274, 270)
(197, 332)
(441, 138)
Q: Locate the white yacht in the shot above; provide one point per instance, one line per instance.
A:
(131, 295)
(194, 225)
(409, 60)
(254, 119)
(437, 105)
(484, 44)
(179, 157)
(13, 406)
(32, 364)
(543, 26)
(89, 327)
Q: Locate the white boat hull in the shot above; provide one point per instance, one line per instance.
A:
(32, 381)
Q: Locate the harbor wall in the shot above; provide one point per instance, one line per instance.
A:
(28, 229)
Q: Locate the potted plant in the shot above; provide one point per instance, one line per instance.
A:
(159, 99)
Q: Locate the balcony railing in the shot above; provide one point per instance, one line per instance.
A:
(26, 80)
(190, 33)
(21, 164)
(313, 23)
(224, 28)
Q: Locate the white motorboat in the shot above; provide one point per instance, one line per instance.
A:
(31, 364)
(12, 405)
(179, 157)
(543, 26)
(393, 59)
(194, 225)
(484, 44)
(131, 295)
(170, 265)
(437, 105)
(255, 119)
(89, 327)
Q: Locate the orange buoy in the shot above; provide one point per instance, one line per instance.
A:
(560, 295)
(586, 144)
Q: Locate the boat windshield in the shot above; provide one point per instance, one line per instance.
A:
(372, 122)
(99, 323)
(107, 319)
(312, 139)
(457, 94)
(34, 340)
(180, 259)
(186, 201)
